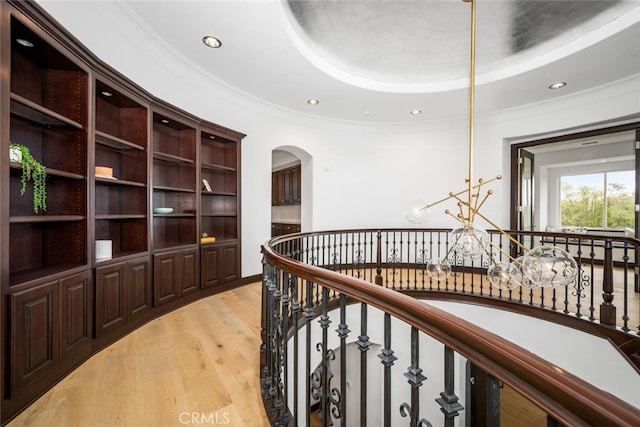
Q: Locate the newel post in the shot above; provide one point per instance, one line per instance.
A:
(607, 309)
(379, 258)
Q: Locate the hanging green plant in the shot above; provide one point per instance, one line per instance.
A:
(32, 170)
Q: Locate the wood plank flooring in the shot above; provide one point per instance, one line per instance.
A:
(196, 365)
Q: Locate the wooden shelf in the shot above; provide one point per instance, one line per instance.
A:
(213, 215)
(218, 193)
(52, 172)
(115, 142)
(217, 168)
(45, 218)
(170, 158)
(176, 189)
(119, 217)
(19, 277)
(107, 181)
(33, 112)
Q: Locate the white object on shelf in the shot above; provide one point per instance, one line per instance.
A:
(15, 155)
(103, 249)
(162, 210)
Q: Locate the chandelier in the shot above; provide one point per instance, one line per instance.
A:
(542, 266)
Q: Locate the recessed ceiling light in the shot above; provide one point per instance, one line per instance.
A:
(558, 85)
(165, 121)
(24, 42)
(312, 101)
(211, 41)
(416, 112)
(106, 93)
(212, 137)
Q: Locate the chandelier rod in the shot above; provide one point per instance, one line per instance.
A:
(472, 87)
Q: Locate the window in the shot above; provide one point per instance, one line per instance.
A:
(598, 200)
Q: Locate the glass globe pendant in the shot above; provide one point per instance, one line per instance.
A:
(439, 270)
(501, 276)
(550, 266)
(417, 212)
(470, 240)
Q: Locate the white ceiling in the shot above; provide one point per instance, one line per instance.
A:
(375, 61)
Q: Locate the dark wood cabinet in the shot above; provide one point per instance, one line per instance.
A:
(279, 229)
(35, 331)
(113, 154)
(220, 264)
(175, 275)
(296, 182)
(123, 291)
(219, 169)
(121, 135)
(138, 287)
(286, 186)
(48, 102)
(50, 326)
(174, 181)
(220, 205)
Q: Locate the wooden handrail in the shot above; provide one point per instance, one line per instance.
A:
(564, 396)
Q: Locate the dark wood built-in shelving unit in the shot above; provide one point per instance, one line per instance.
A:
(60, 303)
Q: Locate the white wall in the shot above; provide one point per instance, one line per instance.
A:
(361, 175)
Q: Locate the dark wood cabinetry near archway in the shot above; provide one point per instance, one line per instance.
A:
(114, 154)
(286, 186)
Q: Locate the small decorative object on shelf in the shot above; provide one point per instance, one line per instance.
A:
(206, 186)
(103, 249)
(162, 211)
(104, 172)
(32, 170)
(205, 238)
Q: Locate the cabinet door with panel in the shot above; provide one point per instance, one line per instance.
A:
(220, 264)
(188, 277)
(50, 325)
(138, 287)
(286, 186)
(165, 278)
(296, 187)
(175, 274)
(110, 297)
(123, 291)
(76, 312)
(35, 331)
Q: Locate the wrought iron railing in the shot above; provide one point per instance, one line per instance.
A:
(369, 285)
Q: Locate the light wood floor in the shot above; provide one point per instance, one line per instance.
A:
(196, 365)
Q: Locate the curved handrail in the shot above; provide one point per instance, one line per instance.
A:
(563, 395)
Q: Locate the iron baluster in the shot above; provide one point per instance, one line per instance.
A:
(448, 401)
(363, 344)
(388, 359)
(415, 378)
(343, 332)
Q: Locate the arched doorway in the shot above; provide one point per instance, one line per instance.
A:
(291, 190)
